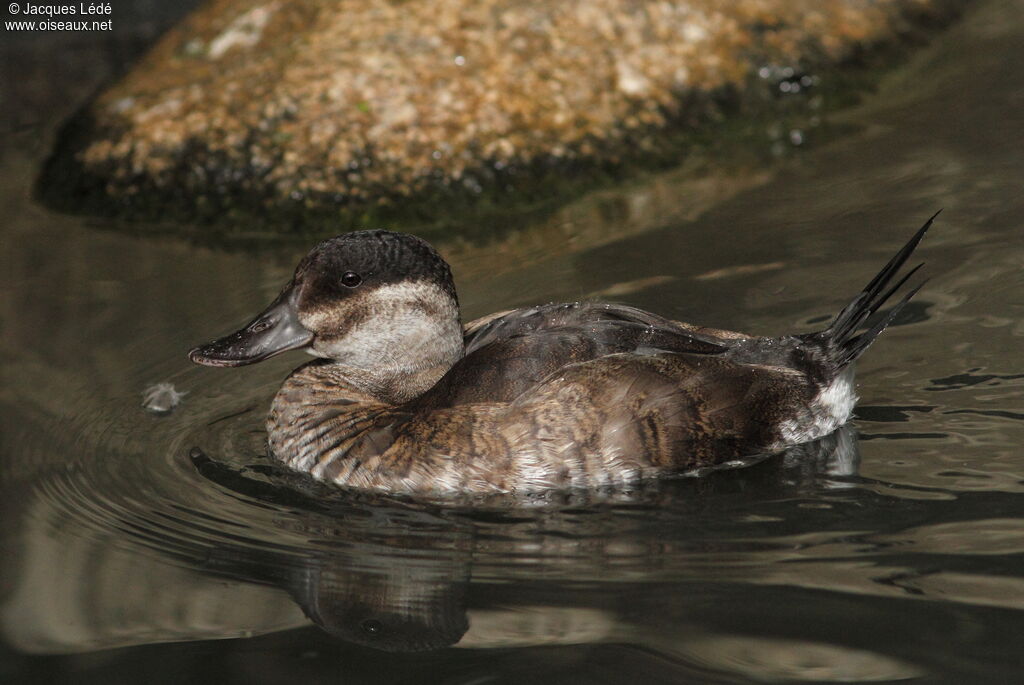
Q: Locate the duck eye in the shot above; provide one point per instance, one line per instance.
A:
(351, 279)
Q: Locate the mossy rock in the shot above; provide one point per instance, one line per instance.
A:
(295, 114)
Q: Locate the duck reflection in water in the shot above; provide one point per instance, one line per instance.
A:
(399, 575)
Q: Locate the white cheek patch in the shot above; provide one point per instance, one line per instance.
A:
(412, 324)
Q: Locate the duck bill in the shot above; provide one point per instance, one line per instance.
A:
(277, 329)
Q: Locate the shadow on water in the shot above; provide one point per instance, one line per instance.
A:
(128, 555)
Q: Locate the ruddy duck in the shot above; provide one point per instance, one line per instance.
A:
(404, 399)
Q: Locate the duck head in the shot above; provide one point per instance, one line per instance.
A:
(381, 304)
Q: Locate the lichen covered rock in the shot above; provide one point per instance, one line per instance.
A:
(360, 103)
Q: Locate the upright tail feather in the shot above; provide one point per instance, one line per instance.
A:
(841, 335)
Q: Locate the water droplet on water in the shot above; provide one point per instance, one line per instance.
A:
(161, 398)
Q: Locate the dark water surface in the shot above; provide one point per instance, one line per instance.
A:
(891, 551)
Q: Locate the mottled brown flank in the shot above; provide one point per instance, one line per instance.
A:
(355, 100)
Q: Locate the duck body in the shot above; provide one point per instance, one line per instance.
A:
(577, 395)
(580, 395)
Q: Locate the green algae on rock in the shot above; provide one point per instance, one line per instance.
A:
(317, 108)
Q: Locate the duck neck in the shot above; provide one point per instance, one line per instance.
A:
(398, 354)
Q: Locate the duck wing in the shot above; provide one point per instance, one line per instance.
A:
(517, 322)
(509, 353)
